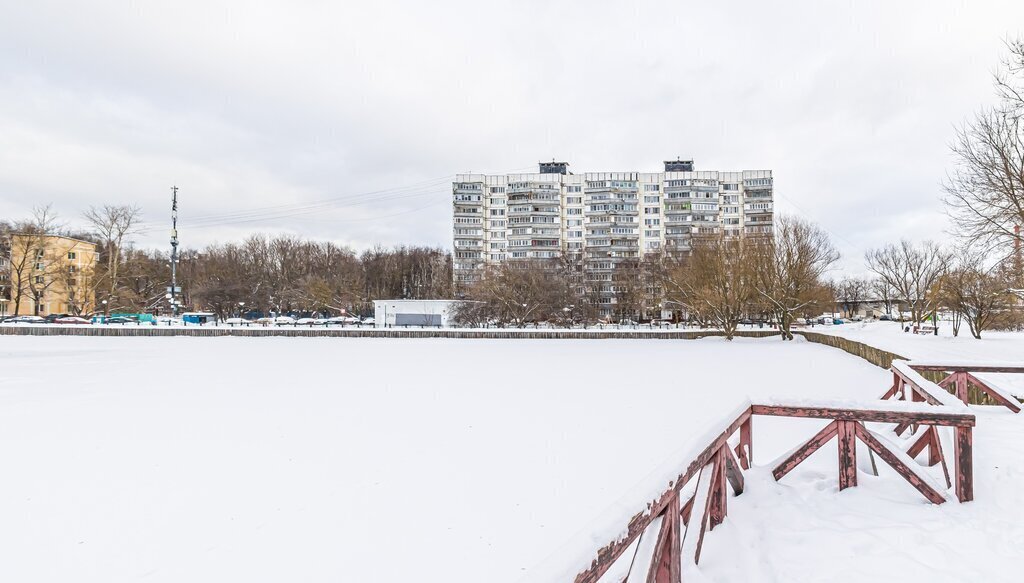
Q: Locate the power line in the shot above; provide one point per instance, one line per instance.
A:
(414, 190)
(272, 211)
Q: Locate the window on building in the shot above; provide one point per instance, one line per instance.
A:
(72, 255)
(39, 279)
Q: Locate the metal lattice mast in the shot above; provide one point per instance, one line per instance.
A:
(173, 292)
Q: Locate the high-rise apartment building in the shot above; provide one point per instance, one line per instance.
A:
(605, 218)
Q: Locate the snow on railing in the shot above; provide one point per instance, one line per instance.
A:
(679, 517)
(962, 375)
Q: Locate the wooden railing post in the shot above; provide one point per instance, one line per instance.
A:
(961, 388)
(962, 451)
(719, 493)
(666, 565)
(745, 449)
(847, 454)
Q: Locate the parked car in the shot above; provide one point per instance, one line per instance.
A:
(237, 322)
(50, 319)
(367, 321)
(71, 320)
(341, 320)
(121, 320)
(308, 322)
(284, 321)
(26, 320)
(885, 318)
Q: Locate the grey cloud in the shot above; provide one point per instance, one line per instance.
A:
(249, 105)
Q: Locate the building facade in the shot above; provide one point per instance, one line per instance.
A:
(47, 274)
(604, 218)
(421, 313)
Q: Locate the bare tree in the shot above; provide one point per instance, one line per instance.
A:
(6, 230)
(851, 292)
(788, 269)
(32, 269)
(985, 192)
(912, 271)
(523, 291)
(112, 226)
(716, 282)
(977, 294)
(881, 289)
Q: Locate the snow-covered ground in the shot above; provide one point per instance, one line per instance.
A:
(336, 459)
(992, 347)
(1001, 346)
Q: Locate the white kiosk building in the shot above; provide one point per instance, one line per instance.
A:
(420, 313)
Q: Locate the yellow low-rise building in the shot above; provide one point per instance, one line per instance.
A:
(48, 274)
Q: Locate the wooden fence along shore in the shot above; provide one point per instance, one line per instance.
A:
(873, 355)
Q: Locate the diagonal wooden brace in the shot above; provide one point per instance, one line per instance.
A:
(804, 451)
(894, 462)
(732, 471)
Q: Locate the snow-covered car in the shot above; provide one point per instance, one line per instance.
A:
(308, 321)
(284, 321)
(71, 320)
(367, 321)
(26, 320)
(341, 320)
(237, 322)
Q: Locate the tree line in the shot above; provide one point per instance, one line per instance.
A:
(719, 283)
(263, 273)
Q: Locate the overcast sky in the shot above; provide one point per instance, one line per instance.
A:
(347, 120)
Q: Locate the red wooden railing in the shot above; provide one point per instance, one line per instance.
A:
(681, 532)
(961, 376)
